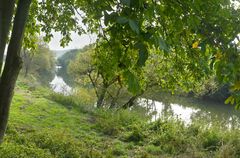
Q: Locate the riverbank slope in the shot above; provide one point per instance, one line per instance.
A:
(43, 124)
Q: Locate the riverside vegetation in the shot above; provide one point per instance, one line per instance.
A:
(46, 124)
(184, 47)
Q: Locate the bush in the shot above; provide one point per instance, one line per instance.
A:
(117, 149)
(114, 122)
(155, 150)
(42, 143)
(12, 150)
(59, 144)
(136, 135)
(211, 140)
(107, 123)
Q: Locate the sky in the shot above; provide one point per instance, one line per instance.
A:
(76, 43)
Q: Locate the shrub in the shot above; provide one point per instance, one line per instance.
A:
(59, 144)
(136, 135)
(211, 140)
(107, 122)
(113, 122)
(12, 150)
(155, 150)
(227, 151)
(118, 149)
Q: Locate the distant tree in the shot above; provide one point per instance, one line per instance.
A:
(64, 61)
(27, 57)
(93, 70)
(40, 63)
(86, 73)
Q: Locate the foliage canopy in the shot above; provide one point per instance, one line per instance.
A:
(198, 38)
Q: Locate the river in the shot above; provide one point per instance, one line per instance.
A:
(193, 110)
(186, 109)
(58, 85)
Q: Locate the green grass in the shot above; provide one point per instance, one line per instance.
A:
(45, 125)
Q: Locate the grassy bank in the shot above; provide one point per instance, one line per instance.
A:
(48, 125)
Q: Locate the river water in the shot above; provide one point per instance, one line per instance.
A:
(193, 110)
(186, 109)
(58, 85)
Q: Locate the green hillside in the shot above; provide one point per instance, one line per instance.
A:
(41, 127)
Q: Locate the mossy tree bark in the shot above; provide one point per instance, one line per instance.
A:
(6, 14)
(13, 63)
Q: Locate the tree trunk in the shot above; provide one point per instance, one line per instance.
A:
(114, 99)
(13, 63)
(101, 96)
(131, 101)
(6, 14)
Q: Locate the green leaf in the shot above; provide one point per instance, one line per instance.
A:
(163, 45)
(132, 81)
(147, 35)
(122, 20)
(203, 47)
(229, 100)
(159, 42)
(236, 86)
(134, 26)
(237, 106)
(143, 56)
(126, 2)
(212, 64)
(106, 18)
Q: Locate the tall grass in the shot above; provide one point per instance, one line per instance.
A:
(80, 99)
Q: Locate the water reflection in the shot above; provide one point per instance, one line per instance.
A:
(159, 109)
(59, 86)
(189, 110)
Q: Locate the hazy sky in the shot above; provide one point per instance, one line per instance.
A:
(77, 41)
